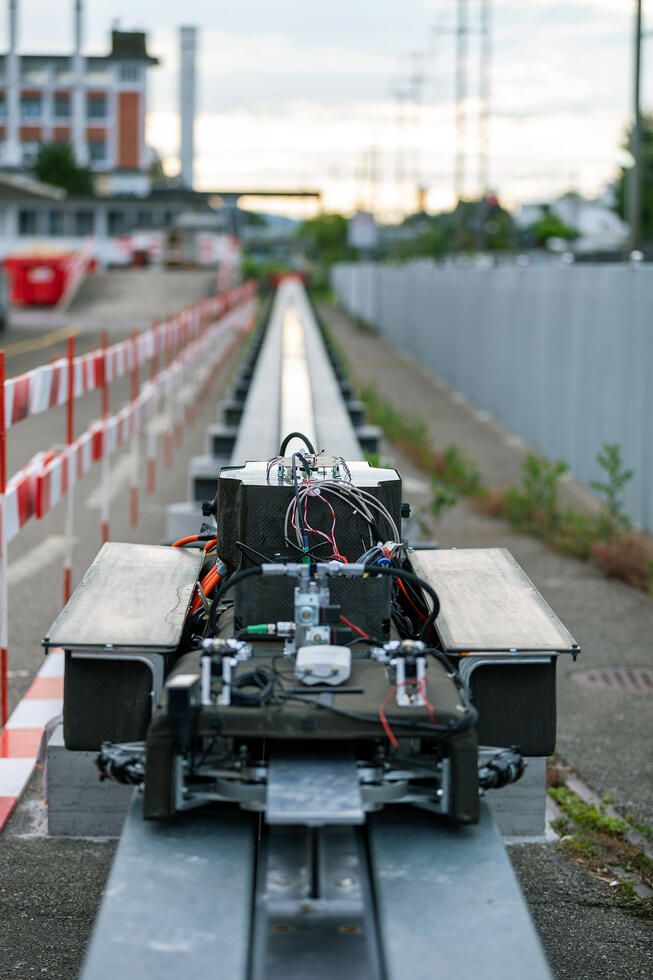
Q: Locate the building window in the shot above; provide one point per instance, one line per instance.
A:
(62, 106)
(97, 151)
(30, 149)
(30, 106)
(117, 222)
(96, 106)
(55, 222)
(28, 221)
(84, 222)
(3, 106)
(130, 73)
(144, 219)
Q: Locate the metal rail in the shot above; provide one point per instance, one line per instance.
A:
(223, 895)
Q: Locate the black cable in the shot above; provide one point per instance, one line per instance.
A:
(441, 731)
(224, 587)
(257, 554)
(320, 544)
(405, 576)
(263, 681)
(296, 435)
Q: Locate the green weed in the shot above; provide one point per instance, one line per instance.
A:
(461, 471)
(534, 506)
(586, 814)
(442, 498)
(614, 519)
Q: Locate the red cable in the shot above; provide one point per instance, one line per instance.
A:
(421, 686)
(403, 589)
(384, 721)
(356, 629)
(422, 690)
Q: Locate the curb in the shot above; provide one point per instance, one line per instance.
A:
(21, 737)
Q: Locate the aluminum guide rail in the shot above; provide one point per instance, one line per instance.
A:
(221, 894)
(267, 413)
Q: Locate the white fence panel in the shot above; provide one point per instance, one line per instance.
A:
(562, 355)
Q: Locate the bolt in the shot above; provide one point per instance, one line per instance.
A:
(347, 882)
(279, 881)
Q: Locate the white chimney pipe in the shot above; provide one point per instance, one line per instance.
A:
(187, 38)
(79, 92)
(13, 155)
(78, 26)
(13, 25)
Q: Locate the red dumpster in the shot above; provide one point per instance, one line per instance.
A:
(37, 279)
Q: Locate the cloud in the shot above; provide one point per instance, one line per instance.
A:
(298, 92)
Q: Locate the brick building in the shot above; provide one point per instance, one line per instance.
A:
(97, 104)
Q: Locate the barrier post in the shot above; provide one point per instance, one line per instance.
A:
(168, 409)
(70, 437)
(155, 350)
(105, 454)
(133, 490)
(4, 586)
(150, 459)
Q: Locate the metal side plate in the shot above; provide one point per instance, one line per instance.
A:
(488, 603)
(134, 596)
(313, 790)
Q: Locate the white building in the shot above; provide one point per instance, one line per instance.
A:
(97, 104)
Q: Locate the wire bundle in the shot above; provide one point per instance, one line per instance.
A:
(359, 500)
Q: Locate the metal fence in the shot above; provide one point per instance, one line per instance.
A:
(562, 355)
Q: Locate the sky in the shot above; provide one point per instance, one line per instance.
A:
(295, 94)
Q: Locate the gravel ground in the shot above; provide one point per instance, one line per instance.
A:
(50, 891)
(585, 937)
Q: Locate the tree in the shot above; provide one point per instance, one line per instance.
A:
(55, 164)
(325, 238)
(621, 188)
(551, 226)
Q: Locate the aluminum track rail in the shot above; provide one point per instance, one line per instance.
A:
(271, 408)
(221, 895)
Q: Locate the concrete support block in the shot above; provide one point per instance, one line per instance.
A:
(183, 519)
(220, 440)
(369, 437)
(232, 412)
(519, 809)
(240, 391)
(203, 473)
(79, 803)
(356, 411)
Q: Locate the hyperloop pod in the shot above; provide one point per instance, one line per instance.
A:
(301, 660)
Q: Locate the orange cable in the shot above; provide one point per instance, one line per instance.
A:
(182, 541)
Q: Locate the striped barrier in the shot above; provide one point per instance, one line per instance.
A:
(186, 343)
(46, 387)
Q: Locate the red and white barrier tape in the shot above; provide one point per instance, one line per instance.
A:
(50, 478)
(47, 386)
